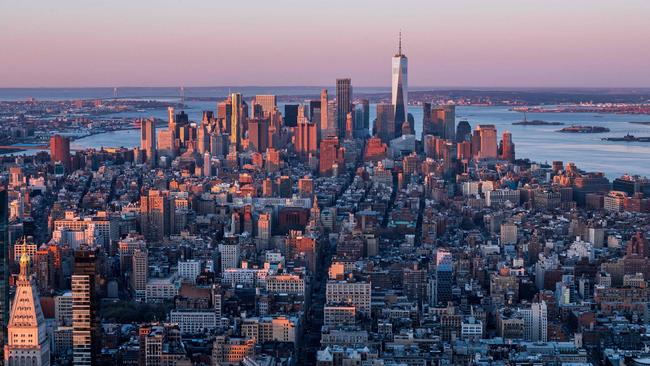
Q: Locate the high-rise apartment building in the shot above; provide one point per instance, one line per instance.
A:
(343, 104)
(148, 140)
(60, 150)
(399, 98)
(85, 322)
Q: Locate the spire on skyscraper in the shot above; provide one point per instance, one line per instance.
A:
(400, 44)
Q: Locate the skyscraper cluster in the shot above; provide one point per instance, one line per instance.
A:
(267, 234)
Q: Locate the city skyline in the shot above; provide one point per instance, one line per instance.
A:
(465, 44)
(373, 221)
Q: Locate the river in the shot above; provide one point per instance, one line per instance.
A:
(539, 143)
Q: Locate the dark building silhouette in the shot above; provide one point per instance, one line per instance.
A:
(463, 131)
(343, 103)
(428, 127)
(258, 134)
(384, 123)
(291, 115)
(312, 108)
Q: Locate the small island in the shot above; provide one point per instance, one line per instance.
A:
(584, 129)
(537, 122)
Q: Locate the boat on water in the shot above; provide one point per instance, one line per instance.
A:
(628, 138)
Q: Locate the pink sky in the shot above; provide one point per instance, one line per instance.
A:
(211, 43)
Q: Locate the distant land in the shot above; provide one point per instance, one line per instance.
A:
(474, 95)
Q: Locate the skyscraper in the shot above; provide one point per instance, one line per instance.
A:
(324, 120)
(444, 119)
(202, 138)
(268, 103)
(507, 147)
(60, 150)
(85, 323)
(343, 104)
(444, 275)
(349, 126)
(224, 115)
(331, 155)
(399, 88)
(155, 215)
(429, 127)
(313, 107)
(4, 266)
(306, 135)
(171, 119)
(235, 120)
(148, 140)
(463, 131)
(291, 115)
(488, 141)
(258, 134)
(140, 273)
(27, 339)
(362, 118)
(384, 123)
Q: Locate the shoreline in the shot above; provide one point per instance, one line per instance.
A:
(17, 150)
